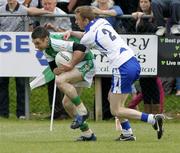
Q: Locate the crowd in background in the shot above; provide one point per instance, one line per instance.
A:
(165, 20)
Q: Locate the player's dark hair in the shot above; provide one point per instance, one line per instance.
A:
(40, 32)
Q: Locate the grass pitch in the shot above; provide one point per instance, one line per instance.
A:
(33, 136)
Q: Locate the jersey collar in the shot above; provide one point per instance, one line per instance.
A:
(16, 8)
(87, 27)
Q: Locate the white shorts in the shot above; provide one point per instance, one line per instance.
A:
(87, 69)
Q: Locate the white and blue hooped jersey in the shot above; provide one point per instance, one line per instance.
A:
(100, 35)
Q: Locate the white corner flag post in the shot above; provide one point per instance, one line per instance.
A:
(44, 77)
(53, 105)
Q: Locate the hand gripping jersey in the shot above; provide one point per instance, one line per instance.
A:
(100, 35)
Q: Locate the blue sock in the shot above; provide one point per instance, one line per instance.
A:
(125, 125)
(144, 117)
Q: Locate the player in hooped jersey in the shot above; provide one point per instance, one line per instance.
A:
(78, 72)
(99, 34)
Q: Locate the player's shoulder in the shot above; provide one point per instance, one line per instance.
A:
(99, 24)
(102, 21)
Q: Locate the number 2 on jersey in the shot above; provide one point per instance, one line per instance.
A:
(112, 37)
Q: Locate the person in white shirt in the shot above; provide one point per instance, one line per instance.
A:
(99, 34)
(2, 2)
(55, 24)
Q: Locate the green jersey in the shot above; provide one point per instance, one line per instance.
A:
(86, 66)
(57, 44)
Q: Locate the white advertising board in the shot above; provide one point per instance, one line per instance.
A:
(18, 57)
(145, 49)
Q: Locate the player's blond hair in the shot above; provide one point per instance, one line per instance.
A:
(85, 12)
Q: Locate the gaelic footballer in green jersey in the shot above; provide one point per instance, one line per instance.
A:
(80, 69)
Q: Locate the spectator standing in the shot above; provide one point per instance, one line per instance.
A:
(150, 89)
(55, 24)
(144, 25)
(169, 9)
(14, 24)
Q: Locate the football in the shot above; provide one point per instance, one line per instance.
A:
(63, 58)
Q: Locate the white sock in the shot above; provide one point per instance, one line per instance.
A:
(126, 128)
(127, 132)
(87, 133)
(151, 119)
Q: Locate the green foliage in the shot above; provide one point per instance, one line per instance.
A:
(172, 104)
(39, 100)
(88, 97)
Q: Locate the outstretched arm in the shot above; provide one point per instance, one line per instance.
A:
(104, 12)
(36, 11)
(114, 11)
(71, 5)
(70, 33)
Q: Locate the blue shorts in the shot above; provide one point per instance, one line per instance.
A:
(124, 76)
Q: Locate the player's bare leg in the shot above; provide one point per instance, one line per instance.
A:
(87, 133)
(117, 109)
(69, 107)
(117, 102)
(65, 83)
